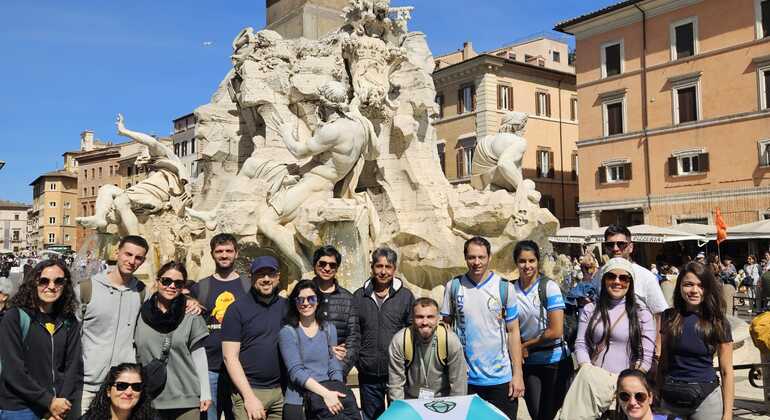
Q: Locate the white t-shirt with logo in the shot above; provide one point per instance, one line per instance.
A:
(531, 325)
(481, 329)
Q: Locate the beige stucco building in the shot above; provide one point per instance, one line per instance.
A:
(13, 226)
(474, 91)
(674, 111)
(53, 213)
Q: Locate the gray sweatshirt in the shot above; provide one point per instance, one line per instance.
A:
(108, 328)
(451, 380)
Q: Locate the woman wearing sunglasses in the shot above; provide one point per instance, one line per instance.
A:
(693, 331)
(164, 325)
(121, 396)
(306, 343)
(634, 398)
(40, 347)
(614, 334)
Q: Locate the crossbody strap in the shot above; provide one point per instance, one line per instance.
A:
(601, 346)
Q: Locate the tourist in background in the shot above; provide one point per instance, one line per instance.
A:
(216, 293)
(306, 342)
(336, 303)
(6, 290)
(614, 334)
(547, 363)
(40, 349)
(250, 333)
(425, 374)
(122, 396)
(482, 307)
(384, 306)
(165, 332)
(588, 267)
(693, 331)
(751, 279)
(635, 398)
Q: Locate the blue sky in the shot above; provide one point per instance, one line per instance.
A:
(67, 66)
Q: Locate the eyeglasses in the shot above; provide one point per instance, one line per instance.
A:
(640, 397)
(46, 282)
(135, 386)
(332, 265)
(167, 281)
(612, 244)
(311, 300)
(623, 278)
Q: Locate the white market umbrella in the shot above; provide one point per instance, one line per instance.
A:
(754, 230)
(707, 231)
(655, 234)
(572, 235)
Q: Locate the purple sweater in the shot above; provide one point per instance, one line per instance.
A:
(617, 353)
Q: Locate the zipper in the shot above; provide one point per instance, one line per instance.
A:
(117, 326)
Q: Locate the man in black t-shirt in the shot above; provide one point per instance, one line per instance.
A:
(216, 293)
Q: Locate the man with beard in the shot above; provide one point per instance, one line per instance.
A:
(426, 358)
(216, 293)
(250, 345)
(337, 306)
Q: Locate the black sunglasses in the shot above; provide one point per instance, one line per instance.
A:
(612, 244)
(311, 300)
(135, 386)
(323, 264)
(624, 278)
(640, 397)
(167, 281)
(57, 282)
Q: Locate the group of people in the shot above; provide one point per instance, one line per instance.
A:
(231, 344)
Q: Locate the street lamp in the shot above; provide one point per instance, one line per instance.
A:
(2, 163)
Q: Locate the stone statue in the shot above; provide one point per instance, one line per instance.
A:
(119, 206)
(498, 159)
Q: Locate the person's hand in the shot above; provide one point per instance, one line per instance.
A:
(254, 408)
(340, 351)
(193, 307)
(204, 406)
(59, 407)
(524, 352)
(332, 401)
(119, 122)
(516, 387)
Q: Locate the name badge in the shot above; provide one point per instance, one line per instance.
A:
(426, 394)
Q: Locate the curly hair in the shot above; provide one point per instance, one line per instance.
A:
(101, 405)
(27, 298)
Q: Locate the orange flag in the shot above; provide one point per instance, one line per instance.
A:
(721, 227)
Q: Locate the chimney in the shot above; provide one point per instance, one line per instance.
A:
(468, 52)
(87, 140)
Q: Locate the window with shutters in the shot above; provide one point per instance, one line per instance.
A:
(66, 237)
(686, 100)
(184, 148)
(543, 104)
(573, 109)
(556, 56)
(504, 97)
(574, 166)
(66, 219)
(612, 58)
(763, 73)
(684, 38)
(613, 112)
(763, 147)
(93, 191)
(51, 220)
(688, 163)
(464, 156)
(176, 150)
(441, 149)
(614, 171)
(52, 186)
(545, 167)
(548, 202)
(762, 18)
(52, 204)
(440, 104)
(192, 146)
(466, 99)
(51, 238)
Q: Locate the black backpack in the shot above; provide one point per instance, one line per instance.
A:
(571, 316)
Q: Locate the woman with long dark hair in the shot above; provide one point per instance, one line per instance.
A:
(547, 363)
(40, 350)
(122, 396)
(692, 332)
(634, 398)
(306, 343)
(165, 331)
(614, 333)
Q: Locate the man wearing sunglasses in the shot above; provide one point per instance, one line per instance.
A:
(108, 315)
(337, 306)
(250, 344)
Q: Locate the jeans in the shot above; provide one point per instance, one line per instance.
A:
(546, 386)
(221, 402)
(25, 414)
(373, 390)
(497, 395)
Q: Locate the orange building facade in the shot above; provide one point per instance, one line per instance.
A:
(674, 111)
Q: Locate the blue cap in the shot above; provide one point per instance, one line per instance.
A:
(265, 261)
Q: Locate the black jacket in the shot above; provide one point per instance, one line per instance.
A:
(338, 308)
(379, 324)
(44, 366)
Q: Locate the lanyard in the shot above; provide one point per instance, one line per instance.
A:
(424, 361)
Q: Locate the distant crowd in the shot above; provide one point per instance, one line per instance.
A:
(606, 343)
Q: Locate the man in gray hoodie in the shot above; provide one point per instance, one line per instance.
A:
(110, 303)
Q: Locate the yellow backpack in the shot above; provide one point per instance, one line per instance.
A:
(760, 331)
(441, 348)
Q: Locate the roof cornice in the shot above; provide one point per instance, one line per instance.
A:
(484, 63)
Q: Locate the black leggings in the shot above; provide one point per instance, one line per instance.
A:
(546, 386)
(497, 395)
